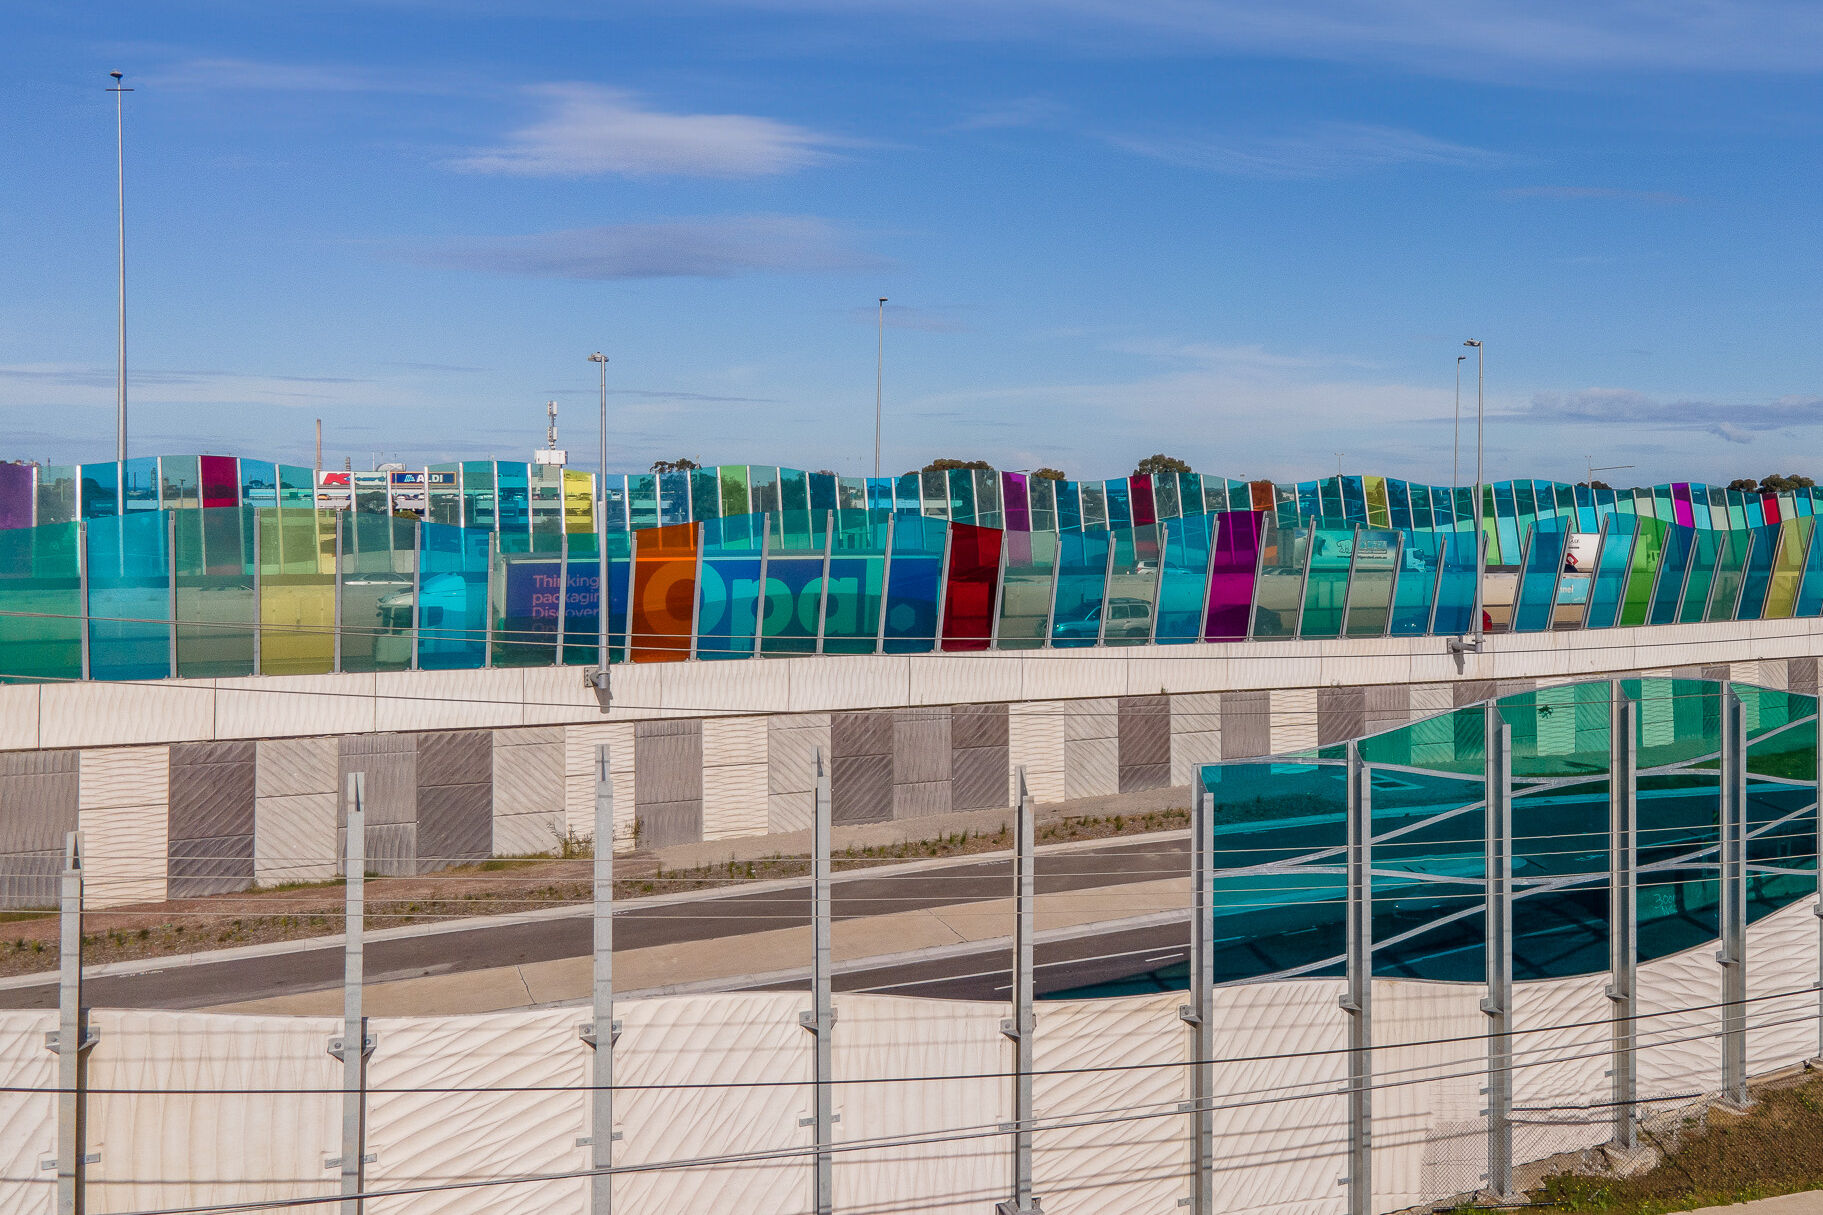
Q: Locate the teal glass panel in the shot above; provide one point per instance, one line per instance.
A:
(478, 505)
(729, 588)
(100, 490)
(378, 560)
(1184, 579)
(1756, 577)
(1280, 897)
(1082, 568)
(908, 493)
(1428, 861)
(1132, 586)
(1729, 575)
(642, 501)
(913, 583)
(1781, 798)
(513, 506)
(215, 601)
(1398, 505)
(1456, 585)
(705, 494)
(1094, 504)
(961, 490)
(1326, 589)
(1609, 579)
(1329, 498)
(40, 602)
(1536, 599)
(857, 568)
(1120, 509)
(1810, 585)
(1420, 496)
(615, 505)
(791, 601)
(1680, 545)
(1701, 580)
(1679, 811)
(987, 498)
(1505, 547)
(1069, 506)
(139, 484)
(1025, 589)
(129, 567)
(179, 482)
(259, 483)
(1279, 590)
(452, 598)
(1370, 586)
(793, 525)
(1525, 508)
(1415, 591)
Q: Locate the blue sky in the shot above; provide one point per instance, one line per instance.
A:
(1250, 235)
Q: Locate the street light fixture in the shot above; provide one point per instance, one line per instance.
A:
(879, 381)
(599, 677)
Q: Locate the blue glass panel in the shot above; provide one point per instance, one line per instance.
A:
(139, 483)
(705, 494)
(129, 564)
(1120, 510)
(100, 497)
(913, 585)
(452, 598)
(1456, 585)
(1414, 594)
(790, 606)
(259, 483)
(1810, 589)
(1354, 500)
(1758, 575)
(1398, 505)
(512, 485)
(1680, 543)
(1505, 550)
(1610, 575)
(729, 588)
(1069, 507)
(1184, 578)
(1310, 501)
(1536, 600)
(1082, 568)
(1329, 494)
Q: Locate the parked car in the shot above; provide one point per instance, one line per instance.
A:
(1128, 620)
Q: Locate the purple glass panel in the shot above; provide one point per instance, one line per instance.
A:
(1231, 569)
(15, 495)
(1680, 505)
(1013, 495)
(1145, 510)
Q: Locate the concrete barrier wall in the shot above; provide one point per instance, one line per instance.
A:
(193, 1109)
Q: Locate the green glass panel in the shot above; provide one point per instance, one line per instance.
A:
(478, 493)
(1278, 592)
(40, 603)
(378, 558)
(1701, 578)
(215, 599)
(1370, 589)
(1025, 591)
(734, 490)
(1648, 553)
(1132, 586)
(180, 483)
(1730, 571)
(1326, 587)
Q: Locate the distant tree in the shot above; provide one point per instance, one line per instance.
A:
(1151, 466)
(1050, 474)
(945, 464)
(1600, 485)
(1746, 485)
(682, 464)
(825, 472)
(1777, 484)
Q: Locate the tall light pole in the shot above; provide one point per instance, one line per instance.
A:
(1481, 548)
(601, 536)
(120, 367)
(1456, 443)
(879, 382)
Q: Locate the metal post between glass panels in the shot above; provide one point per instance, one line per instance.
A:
(936, 641)
(1357, 1000)
(82, 589)
(601, 1106)
(759, 599)
(1733, 954)
(1499, 949)
(171, 575)
(417, 579)
(993, 620)
(1022, 1025)
(1623, 911)
(341, 520)
(1199, 1012)
(886, 581)
(829, 539)
(696, 597)
(820, 1018)
(1107, 589)
(254, 517)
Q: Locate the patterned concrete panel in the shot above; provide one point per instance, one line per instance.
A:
(1196, 713)
(124, 776)
(861, 789)
(216, 865)
(790, 811)
(391, 788)
(1801, 675)
(528, 779)
(392, 849)
(1091, 718)
(921, 746)
(209, 796)
(526, 834)
(1389, 706)
(863, 733)
(734, 740)
(1294, 719)
(1138, 777)
(1190, 751)
(289, 766)
(1246, 724)
(1514, 687)
(661, 824)
(978, 779)
(734, 801)
(1035, 740)
(38, 798)
(30, 879)
(126, 844)
(1472, 691)
(915, 800)
(579, 743)
(669, 758)
(454, 825)
(1719, 672)
(791, 746)
(1144, 729)
(456, 757)
(294, 838)
(529, 736)
(978, 725)
(1091, 767)
(1341, 714)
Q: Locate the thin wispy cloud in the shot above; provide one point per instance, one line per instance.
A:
(1625, 409)
(1020, 112)
(688, 248)
(1595, 193)
(1326, 150)
(588, 131)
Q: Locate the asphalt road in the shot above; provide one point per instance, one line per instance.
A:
(314, 968)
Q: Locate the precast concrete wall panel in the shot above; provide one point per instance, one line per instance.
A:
(941, 1068)
(1246, 724)
(1099, 718)
(295, 838)
(28, 1114)
(921, 745)
(19, 716)
(1288, 1040)
(1429, 699)
(1035, 738)
(979, 778)
(708, 1078)
(211, 818)
(735, 795)
(792, 742)
(122, 800)
(1196, 734)
(1341, 714)
(1094, 1063)
(455, 825)
(579, 743)
(1294, 719)
(918, 800)
(194, 1109)
(1801, 676)
(38, 810)
(390, 764)
(861, 772)
(1091, 767)
(1782, 1004)
(669, 800)
(1680, 1054)
(285, 767)
(528, 813)
(1429, 1136)
(734, 741)
(1563, 1041)
(459, 1099)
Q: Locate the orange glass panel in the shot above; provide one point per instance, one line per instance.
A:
(664, 592)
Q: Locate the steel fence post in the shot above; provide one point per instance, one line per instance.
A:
(1021, 1026)
(1499, 1002)
(1358, 999)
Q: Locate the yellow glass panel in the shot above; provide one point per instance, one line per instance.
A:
(578, 501)
(1788, 568)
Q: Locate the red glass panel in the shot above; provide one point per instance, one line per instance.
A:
(1144, 509)
(221, 483)
(664, 593)
(974, 576)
